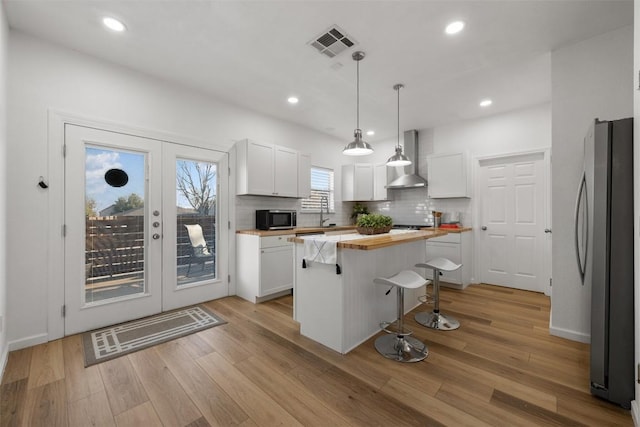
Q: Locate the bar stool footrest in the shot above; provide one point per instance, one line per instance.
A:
(427, 299)
(385, 326)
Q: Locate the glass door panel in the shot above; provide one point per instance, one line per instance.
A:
(115, 191)
(196, 188)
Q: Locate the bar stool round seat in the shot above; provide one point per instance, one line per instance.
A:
(398, 345)
(435, 319)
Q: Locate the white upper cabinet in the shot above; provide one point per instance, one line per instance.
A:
(270, 170)
(285, 172)
(380, 182)
(448, 176)
(364, 182)
(304, 176)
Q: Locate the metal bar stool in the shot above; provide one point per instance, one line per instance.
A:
(435, 319)
(398, 345)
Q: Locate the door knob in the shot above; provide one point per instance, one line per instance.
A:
(547, 230)
(156, 236)
(484, 227)
(156, 224)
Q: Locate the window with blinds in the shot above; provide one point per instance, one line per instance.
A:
(321, 186)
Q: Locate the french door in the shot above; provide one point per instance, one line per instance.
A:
(130, 204)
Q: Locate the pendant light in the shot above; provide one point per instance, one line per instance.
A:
(357, 147)
(398, 159)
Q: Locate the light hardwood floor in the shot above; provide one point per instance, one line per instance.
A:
(501, 368)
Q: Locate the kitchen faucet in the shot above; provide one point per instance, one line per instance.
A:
(322, 219)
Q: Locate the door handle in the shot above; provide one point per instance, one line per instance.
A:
(547, 230)
(483, 228)
(156, 236)
(582, 264)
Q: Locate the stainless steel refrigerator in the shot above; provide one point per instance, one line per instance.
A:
(604, 248)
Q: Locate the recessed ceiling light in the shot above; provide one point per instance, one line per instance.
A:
(113, 24)
(371, 132)
(292, 100)
(454, 27)
(486, 102)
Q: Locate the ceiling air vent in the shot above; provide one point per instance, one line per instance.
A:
(332, 42)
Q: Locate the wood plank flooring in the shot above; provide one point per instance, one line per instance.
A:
(501, 368)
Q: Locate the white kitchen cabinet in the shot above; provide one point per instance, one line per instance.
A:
(304, 176)
(364, 182)
(380, 182)
(457, 248)
(264, 266)
(266, 169)
(448, 176)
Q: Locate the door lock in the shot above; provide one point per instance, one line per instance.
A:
(156, 224)
(156, 236)
(484, 227)
(547, 230)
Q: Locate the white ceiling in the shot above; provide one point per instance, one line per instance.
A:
(256, 54)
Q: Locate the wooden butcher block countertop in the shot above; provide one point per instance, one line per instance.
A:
(369, 242)
(298, 230)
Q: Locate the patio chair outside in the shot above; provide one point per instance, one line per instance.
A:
(201, 252)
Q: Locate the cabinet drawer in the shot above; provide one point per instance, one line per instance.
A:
(449, 238)
(274, 241)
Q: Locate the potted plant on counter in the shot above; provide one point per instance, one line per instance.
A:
(358, 210)
(374, 224)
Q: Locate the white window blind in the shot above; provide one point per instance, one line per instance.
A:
(321, 186)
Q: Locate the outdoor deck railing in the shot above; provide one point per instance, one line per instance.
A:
(115, 244)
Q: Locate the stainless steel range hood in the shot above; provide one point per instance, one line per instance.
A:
(408, 175)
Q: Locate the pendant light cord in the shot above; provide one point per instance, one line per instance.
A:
(358, 94)
(398, 116)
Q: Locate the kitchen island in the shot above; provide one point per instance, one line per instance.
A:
(338, 305)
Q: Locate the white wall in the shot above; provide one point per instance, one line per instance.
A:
(590, 79)
(4, 35)
(43, 76)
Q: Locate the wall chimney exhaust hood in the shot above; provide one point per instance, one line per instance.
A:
(409, 177)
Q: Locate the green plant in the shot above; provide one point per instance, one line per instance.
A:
(374, 221)
(359, 209)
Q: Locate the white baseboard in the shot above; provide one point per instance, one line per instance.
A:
(28, 342)
(569, 334)
(635, 413)
(3, 361)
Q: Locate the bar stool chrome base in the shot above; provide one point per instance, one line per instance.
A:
(401, 349)
(438, 321)
(435, 319)
(398, 345)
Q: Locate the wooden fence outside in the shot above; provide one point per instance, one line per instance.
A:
(115, 244)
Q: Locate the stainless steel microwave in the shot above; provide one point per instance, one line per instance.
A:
(275, 219)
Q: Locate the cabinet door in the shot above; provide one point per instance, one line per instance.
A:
(363, 182)
(450, 251)
(447, 175)
(276, 272)
(260, 170)
(286, 172)
(304, 176)
(380, 182)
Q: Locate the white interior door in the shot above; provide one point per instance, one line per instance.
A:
(127, 251)
(196, 225)
(513, 222)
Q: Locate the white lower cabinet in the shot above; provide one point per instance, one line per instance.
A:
(457, 248)
(264, 266)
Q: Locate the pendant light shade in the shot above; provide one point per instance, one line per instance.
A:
(357, 147)
(398, 159)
